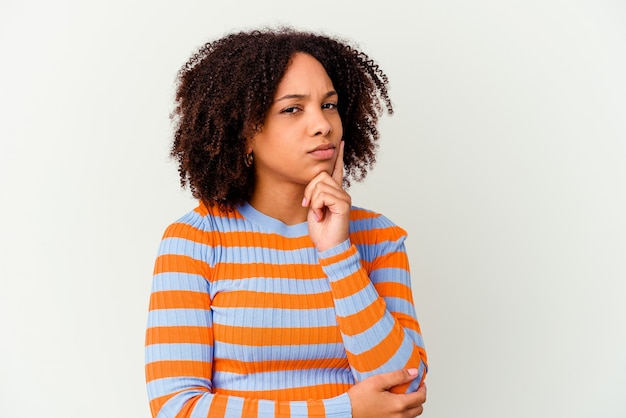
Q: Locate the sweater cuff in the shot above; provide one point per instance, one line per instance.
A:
(333, 251)
(340, 261)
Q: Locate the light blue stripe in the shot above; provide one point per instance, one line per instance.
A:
(415, 336)
(180, 246)
(234, 407)
(162, 387)
(201, 409)
(280, 285)
(299, 409)
(239, 254)
(267, 223)
(179, 281)
(179, 317)
(266, 409)
(369, 252)
(400, 305)
(278, 352)
(176, 402)
(356, 302)
(275, 318)
(176, 352)
(391, 275)
(378, 222)
(339, 406)
(282, 379)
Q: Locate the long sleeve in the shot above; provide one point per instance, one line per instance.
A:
(180, 339)
(371, 287)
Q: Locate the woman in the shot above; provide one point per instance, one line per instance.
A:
(275, 297)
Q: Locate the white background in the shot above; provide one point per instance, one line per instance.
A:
(505, 162)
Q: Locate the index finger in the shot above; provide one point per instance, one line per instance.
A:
(338, 168)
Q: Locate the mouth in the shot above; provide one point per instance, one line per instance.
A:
(323, 151)
(323, 147)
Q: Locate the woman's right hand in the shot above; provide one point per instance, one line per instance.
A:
(371, 397)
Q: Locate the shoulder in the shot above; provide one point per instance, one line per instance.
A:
(200, 222)
(366, 222)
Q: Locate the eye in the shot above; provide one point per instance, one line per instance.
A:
(291, 110)
(329, 105)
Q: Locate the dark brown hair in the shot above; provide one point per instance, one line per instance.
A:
(226, 88)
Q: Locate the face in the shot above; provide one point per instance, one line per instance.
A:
(301, 133)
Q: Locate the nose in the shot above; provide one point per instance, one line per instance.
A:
(320, 124)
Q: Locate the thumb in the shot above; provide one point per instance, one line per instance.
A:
(337, 173)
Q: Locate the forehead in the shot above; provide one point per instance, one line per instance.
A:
(305, 72)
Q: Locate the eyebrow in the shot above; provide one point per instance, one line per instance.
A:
(302, 96)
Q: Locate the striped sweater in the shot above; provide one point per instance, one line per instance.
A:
(248, 319)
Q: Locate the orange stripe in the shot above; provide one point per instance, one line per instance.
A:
(338, 257)
(252, 299)
(157, 403)
(393, 289)
(282, 410)
(231, 271)
(396, 259)
(179, 334)
(362, 320)
(379, 354)
(236, 238)
(245, 367)
(381, 234)
(250, 407)
(276, 336)
(183, 299)
(349, 285)
(173, 263)
(316, 409)
(169, 368)
(188, 232)
(407, 321)
(218, 407)
(358, 214)
(203, 209)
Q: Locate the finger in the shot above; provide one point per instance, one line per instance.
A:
(318, 183)
(395, 378)
(327, 198)
(416, 411)
(338, 168)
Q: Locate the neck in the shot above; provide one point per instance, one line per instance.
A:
(284, 204)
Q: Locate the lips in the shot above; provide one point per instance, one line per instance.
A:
(323, 151)
(323, 147)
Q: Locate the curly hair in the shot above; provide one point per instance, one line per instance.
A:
(226, 88)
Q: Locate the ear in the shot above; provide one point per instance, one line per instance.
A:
(249, 146)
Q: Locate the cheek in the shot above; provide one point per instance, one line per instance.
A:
(339, 126)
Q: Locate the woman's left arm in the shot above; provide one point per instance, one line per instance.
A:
(363, 255)
(371, 286)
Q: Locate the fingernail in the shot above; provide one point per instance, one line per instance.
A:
(412, 372)
(304, 202)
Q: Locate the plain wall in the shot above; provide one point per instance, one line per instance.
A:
(505, 161)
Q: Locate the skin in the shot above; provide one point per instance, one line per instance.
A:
(298, 159)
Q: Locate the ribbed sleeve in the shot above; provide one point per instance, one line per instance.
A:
(246, 319)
